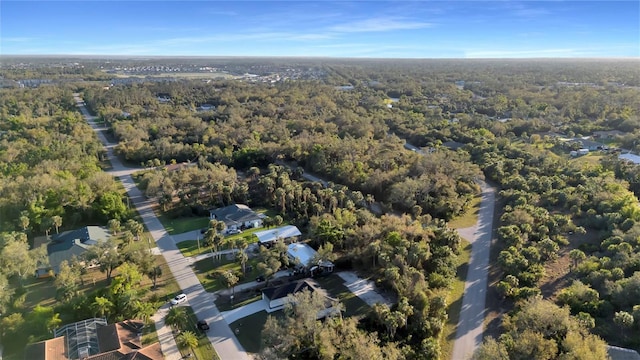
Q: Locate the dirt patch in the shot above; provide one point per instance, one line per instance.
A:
(558, 272)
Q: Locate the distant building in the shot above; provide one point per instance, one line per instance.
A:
(205, 107)
(94, 339)
(618, 353)
(607, 134)
(630, 157)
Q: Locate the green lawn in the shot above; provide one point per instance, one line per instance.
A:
(248, 330)
(592, 159)
(190, 247)
(455, 302)
(205, 270)
(204, 350)
(469, 218)
(224, 304)
(183, 224)
(334, 285)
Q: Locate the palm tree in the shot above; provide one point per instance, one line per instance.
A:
(176, 317)
(144, 310)
(187, 339)
(135, 227)
(243, 258)
(101, 306)
(154, 274)
(114, 226)
(57, 222)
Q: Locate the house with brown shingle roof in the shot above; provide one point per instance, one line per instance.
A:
(94, 339)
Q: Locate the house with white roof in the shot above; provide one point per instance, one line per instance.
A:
(304, 255)
(287, 233)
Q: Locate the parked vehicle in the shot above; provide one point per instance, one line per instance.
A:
(260, 278)
(202, 325)
(179, 299)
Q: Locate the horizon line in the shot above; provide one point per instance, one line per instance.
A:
(315, 57)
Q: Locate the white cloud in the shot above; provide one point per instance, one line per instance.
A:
(379, 24)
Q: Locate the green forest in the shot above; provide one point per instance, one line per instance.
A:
(565, 256)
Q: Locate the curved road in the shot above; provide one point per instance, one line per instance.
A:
(472, 313)
(220, 335)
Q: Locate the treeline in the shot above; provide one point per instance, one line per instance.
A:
(50, 164)
(340, 135)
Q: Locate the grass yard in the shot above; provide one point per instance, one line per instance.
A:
(242, 298)
(204, 350)
(205, 269)
(591, 159)
(183, 224)
(470, 217)
(248, 330)
(334, 285)
(455, 302)
(190, 248)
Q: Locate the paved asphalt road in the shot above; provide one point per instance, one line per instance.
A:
(471, 323)
(220, 335)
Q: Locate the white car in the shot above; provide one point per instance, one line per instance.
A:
(179, 299)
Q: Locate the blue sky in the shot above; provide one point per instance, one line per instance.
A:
(387, 29)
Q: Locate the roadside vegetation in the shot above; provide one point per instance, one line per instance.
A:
(192, 342)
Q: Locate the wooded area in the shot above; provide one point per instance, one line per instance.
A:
(386, 208)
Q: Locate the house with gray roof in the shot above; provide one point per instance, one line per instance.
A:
(237, 216)
(69, 244)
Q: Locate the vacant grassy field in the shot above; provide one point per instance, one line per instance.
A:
(455, 302)
(591, 159)
(206, 270)
(469, 218)
(183, 224)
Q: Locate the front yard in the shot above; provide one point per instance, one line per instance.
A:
(207, 271)
(248, 330)
(204, 350)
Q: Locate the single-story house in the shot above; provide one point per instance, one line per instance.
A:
(69, 244)
(277, 297)
(94, 339)
(237, 216)
(630, 157)
(579, 152)
(453, 145)
(286, 233)
(303, 255)
(205, 107)
(618, 353)
(607, 134)
(587, 144)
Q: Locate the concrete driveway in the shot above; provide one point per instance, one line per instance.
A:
(363, 288)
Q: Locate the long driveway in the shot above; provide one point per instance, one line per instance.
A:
(471, 323)
(220, 335)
